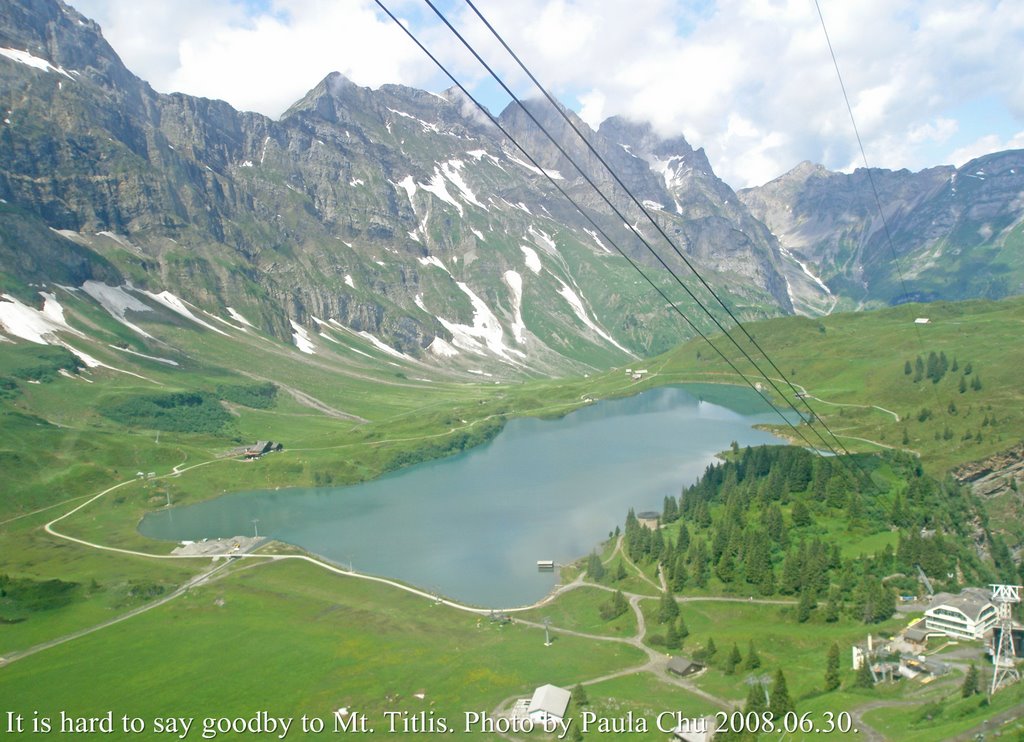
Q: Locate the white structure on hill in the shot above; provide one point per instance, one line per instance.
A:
(968, 615)
(549, 702)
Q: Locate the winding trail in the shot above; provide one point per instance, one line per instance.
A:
(655, 662)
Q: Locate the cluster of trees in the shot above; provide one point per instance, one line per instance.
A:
(260, 396)
(20, 595)
(756, 524)
(614, 607)
(34, 363)
(934, 369)
(179, 412)
(451, 444)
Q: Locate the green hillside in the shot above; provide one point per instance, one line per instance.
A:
(70, 433)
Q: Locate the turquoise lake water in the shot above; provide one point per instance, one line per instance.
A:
(473, 526)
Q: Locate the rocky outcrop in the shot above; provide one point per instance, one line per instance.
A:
(996, 474)
(947, 233)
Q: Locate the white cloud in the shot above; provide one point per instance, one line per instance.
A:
(751, 81)
(262, 62)
(984, 145)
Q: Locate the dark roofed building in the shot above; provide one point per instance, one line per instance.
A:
(649, 519)
(682, 666)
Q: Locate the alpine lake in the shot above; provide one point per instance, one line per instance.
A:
(472, 527)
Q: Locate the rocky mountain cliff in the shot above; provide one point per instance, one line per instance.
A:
(956, 232)
(393, 212)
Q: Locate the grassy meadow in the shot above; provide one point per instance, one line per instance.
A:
(293, 639)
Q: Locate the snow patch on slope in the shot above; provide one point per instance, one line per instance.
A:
(553, 174)
(806, 270)
(381, 345)
(515, 282)
(177, 306)
(668, 169)
(427, 126)
(485, 332)
(543, 239)
(438, 187)
(166, 361)
(597, 239)
(238, 317)
(35, 325)
(409, 186)
(442, 348)
(453, 171)
(576, 304)
(40, 327)
(32, 61)
(532, 260)
(301, 338)
(435, 261)
(117, 301)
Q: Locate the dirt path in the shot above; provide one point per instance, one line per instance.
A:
(312, 402)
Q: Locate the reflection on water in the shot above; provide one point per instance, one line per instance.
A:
(473, 526)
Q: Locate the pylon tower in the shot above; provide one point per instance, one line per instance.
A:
(1004, 666)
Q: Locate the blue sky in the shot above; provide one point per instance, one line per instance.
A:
(931, 81)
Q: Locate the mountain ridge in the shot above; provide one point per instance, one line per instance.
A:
(948, 232)
(403, 214)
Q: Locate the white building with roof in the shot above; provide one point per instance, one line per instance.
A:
(968, 615)
(549, 702)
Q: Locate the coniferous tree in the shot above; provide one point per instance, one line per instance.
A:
(897, 514)
(755, 700)
(753, 660)
(700, 565)
(801, 515)
(595, 569)
(832, 668)
(779, 702)
(773, 523)
(864, 677)
(790, 573)
(681, 628)
(970, 684)
(615, 607)
(726, 569)
(803, 609)
(680, 574)
(668, 609)
(672, 638)
(579, 695)
(683, 542)
(832, 607)
(733, 660)
(670, 510)
(907, 369)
